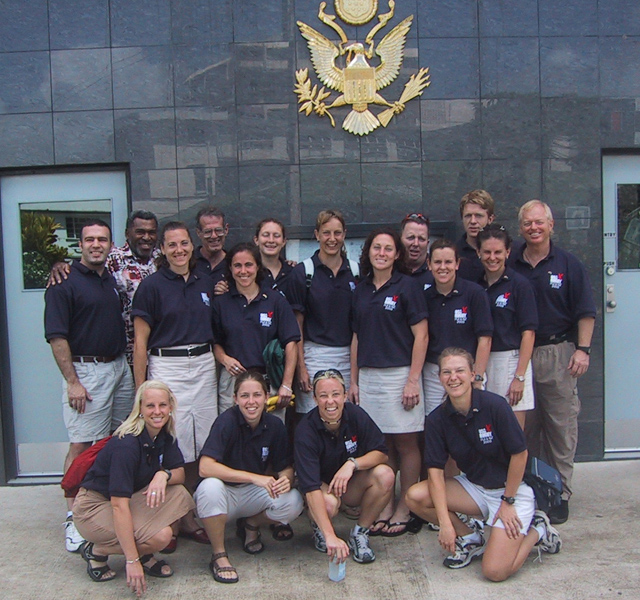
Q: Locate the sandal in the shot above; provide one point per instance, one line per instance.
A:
(254, 547)
(197, 535)
(415, 523)
(155, 570)
(216, 570)
(171, 546)
(281, 532)
(374, 532)
(97, 574)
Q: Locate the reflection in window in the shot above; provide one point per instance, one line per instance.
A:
(628, 226)
(50, 233)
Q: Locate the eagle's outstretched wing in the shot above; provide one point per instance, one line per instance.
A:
(390, 52)
(323, 56)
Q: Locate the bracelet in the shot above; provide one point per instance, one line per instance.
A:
(286, 387)
(169, 474)
(354, 461)
(130, 562)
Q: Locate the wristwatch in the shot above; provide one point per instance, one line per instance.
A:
(478, 377)
(586, 349)
(519, 378)
(354, 461)
(169, 474)
(508, 499)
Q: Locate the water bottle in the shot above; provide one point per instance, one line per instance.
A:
(337, 570)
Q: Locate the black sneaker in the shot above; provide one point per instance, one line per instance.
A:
(559, 514)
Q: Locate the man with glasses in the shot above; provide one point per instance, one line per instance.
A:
(212, 231)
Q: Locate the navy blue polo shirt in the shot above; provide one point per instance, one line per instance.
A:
(218, 273)
(281, 282)
(481, 442)
(127, 465)
(383, 318)
(423, 276)
(244, 330)
(85, 310)
(457, 319)
(178, 311)
(513, 308)
(562, 290)
(319, 453)
(470, 267)
(326, 305)
(234, 444)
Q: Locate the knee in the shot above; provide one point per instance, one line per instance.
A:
(161, 539)
(332, 504)
(384, 476)
(287, 506)
(209, 496)
(495, 573)
(417, 496)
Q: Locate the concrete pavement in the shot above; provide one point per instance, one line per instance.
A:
(600, 558)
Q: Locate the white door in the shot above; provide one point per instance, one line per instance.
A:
(30, 205)
(621, 226)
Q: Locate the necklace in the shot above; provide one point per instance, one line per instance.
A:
(331, 422)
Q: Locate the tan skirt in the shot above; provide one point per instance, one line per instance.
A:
(93, 516)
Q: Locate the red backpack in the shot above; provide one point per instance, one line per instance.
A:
(79, 467)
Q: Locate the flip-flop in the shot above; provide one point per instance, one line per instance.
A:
(282, 532)
(216, 570)
(374, 532)
(415, 523)
(155, 570)
(395, 533)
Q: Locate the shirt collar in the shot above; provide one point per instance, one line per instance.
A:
(88, 272)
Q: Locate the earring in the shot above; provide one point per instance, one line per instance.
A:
(140, 416)
(171, 414)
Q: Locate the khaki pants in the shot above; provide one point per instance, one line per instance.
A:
(552, 427)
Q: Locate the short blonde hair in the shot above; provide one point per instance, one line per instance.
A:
(532, 204)
(134, 425)
(480, 197)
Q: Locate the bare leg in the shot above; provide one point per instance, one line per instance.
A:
(406, 445)
(372, 490)
(504, 556)
(214, 527)
(521, 415)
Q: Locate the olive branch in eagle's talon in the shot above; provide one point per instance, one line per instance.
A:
(312, 99)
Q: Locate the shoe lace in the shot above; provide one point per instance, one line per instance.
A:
(362, 542)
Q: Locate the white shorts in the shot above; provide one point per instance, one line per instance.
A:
(214, 497)
(489, 501)
(192, 380)
(433, 391)
(500, 372)
(112, 389)
(381, 397)
(318, 357)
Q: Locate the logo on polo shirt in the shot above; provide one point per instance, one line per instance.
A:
(206, 299)
(502, 300)
(485, 434)
(265, 453)
(351, 445)
(460, 315)
(390, 302)
(555, 281)
(426, 286)
(352, 285)
(266, 319)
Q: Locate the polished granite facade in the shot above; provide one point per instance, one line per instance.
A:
(196, 97)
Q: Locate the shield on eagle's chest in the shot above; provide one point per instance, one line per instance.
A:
(359, 85)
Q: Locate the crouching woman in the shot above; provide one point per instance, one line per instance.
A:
(247, 468)
(480, 432)
(132, 494)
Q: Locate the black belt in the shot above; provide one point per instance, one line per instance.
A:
(93, 359)
(173, 352)
(547, 340)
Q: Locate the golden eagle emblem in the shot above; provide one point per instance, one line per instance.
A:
(358, 83)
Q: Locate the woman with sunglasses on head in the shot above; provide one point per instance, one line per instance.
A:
(132, 496)
(245, 320)
(515, 320)
(341, 457)
(247, 468)
(390, 336)
(480, 432)
(320, 291)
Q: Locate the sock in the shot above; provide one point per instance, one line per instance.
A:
(69, 514)
(359, 529)
(473, 537)
(541, 529)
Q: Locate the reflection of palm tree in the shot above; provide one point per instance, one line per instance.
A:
(39, 248)
(629, 249)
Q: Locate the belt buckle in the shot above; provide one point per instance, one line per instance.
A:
(95, 360)
(190, 349)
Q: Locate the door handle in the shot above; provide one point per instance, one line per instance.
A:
(611, 303)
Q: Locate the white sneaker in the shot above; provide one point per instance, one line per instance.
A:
(318, 539)
(550, 542)
(73, 540)
(465, 553)
(359, 545)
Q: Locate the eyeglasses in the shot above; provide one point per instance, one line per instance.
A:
(416, 218)
(219, 231)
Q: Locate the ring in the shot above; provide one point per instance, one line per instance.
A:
(153, 493)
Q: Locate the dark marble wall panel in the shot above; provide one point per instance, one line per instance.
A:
(447, 18)
(79, 24)
(619, 123)
(201, 21)
(619, 60)
(398, 141)
(569, 17)
(264, 73)
(259, 21)
(390, 191)
(26, 82)
(619, 17)
(142, 77)
(204, 75)
(320, 142)
(337, 186)
(267, 134)
(146, 138)
(158, 188)
(206, 136)
(84, 137)
(569, 66)
(454, 67)
(511, 128)
(140, 23)
(81, 79)
(23, 25)
(27, 140)
(200, 187)
(450, 129)
(590, 440)
(508, 18)
(509, 66)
